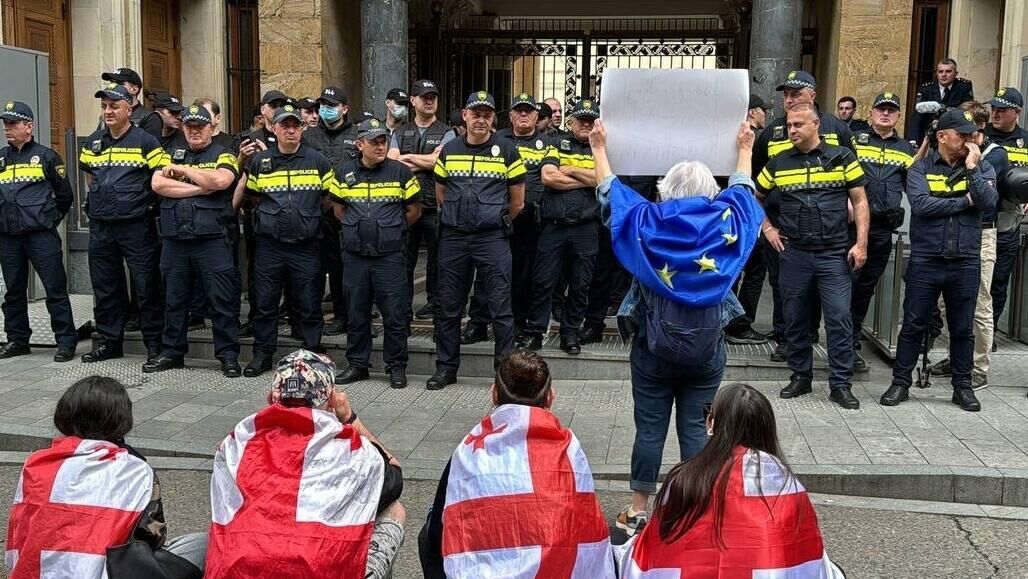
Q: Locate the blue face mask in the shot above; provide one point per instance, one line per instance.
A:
(329, 114)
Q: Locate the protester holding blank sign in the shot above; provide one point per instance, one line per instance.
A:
(684, 252)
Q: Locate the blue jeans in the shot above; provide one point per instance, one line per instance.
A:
(957, 281)
(657, 385)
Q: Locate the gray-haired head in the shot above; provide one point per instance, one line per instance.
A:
(688, 179)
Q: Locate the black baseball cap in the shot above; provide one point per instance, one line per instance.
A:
(523, 100)
(332, 95)
(306, 103)
(798, 79)
(398, 96)
(479, 99)
(166, 100)
(584, 108)
(196, 114)
(423, 87)
(1007, 98)
(886, 99)
(958, 120)
(457, 118)
(371, 129)
(272, 96)
(286, 112)
(545, 112)
(17, 111)
(123, 75)
(757, 103)
(115, 92)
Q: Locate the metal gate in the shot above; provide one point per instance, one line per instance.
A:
(560, 58)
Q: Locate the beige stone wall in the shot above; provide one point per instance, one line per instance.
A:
(341, 49)
(291, 43)
(869, 52)
(1015, 43)
(202, 30)
(974, 42)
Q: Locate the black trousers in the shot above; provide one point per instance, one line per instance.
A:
(607, 278)
(332, 264)
(379, 280)
(879, 248)
(112, 245)
(749, 287)
(183, 262)
(524, 243)
(571, 249)
(43, 250)
(426, 228)
(462, 254)
(1008, 244)
(774, 272)
(293, 265)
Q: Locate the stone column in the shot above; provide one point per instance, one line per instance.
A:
(202, 28)
(384, 36)
(774, 43)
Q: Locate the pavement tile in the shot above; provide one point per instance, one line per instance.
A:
(187, 412)
(35, 409)
(159, 428)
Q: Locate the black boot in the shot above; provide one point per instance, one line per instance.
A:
(532, 343)
(231, 369)
(779, 355)
(796, 387)
(966, 400)
(441, 379)
(569, 343)
(12, 349)
(105, 351)
(351, 375)
(398, 377)
(591, 335)
(260, 364)
(161, 363)
(474, 333)
(844, 398)
(894, 395)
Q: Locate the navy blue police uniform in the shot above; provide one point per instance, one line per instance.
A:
(34, 198)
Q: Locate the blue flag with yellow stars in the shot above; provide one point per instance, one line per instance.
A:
(688, 250)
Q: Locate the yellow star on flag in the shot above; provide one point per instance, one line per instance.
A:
(706, 264)
(726, 214)
(665, 275)
(730, 238)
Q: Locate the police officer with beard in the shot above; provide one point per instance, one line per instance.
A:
(196, 194)
(376, 200)
(289, 182)
(34, 198)
(480, 191)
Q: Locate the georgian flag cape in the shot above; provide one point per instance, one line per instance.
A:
(769, 531)
(520, 503)
(73, 501)
(293, 494)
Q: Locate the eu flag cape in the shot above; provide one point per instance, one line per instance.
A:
(688, 250)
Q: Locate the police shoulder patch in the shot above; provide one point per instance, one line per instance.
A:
(61, 170)
(863, 138)
(778, 133)
(265, 165)
(178, 155)
(34, 160)
(565, 144)
(350, 179)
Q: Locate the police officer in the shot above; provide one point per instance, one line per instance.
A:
(946, 91)
(948, 190)
(417, 144)
(169, 108)
(813, 182)
(799, 87)
(335, 137)
(397, 107)
(141, 116)
(377, 199)
(120, 160)
(532, 146)
(1004, 131)
(480, 191)
(309, 110)
(195, 191)
(568, 241)
(34, 198)
(884, 156)
(288, 182)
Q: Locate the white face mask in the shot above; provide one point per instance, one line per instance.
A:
(399, 112)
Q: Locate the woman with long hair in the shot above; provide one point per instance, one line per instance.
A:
(734, 508)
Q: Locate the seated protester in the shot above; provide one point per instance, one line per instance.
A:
(516, 499)
(684, 252)
(81, 503)
(734, 510)
(302, 489)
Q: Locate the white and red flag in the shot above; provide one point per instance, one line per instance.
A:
(73, 501)
(769, 530)
(293, 494)
(520, 503)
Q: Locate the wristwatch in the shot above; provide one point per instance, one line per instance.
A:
(352, 418)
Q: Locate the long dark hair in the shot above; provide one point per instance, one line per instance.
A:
(742, 417)
(96, 408)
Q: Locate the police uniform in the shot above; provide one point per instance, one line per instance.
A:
(34, 198)
(122, 231)
(812, 189)
(772, 141)
(960, 92)
(885, 162)
(195, 246)
(373, 227)
(290, 188)
(141, 116)
(568, 241)
(1011, 214)
(172, 138)
(473, 238)
(338, 145)
(945, 247)
(412, 139)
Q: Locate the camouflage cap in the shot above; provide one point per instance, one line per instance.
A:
(306, 376)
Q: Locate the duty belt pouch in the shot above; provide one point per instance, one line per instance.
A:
(896, 217)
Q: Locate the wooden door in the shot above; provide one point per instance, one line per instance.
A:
(161, 60)
(43, 25)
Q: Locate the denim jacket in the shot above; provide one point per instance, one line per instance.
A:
(629, 315)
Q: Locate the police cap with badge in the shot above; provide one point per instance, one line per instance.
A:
(113, 91)
(15, 111)
(371, 129)
(524, 101)
(584, 109)
(286, 112)
(798, 79)
(886, 100)
(480, 99)
(1007, 98)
